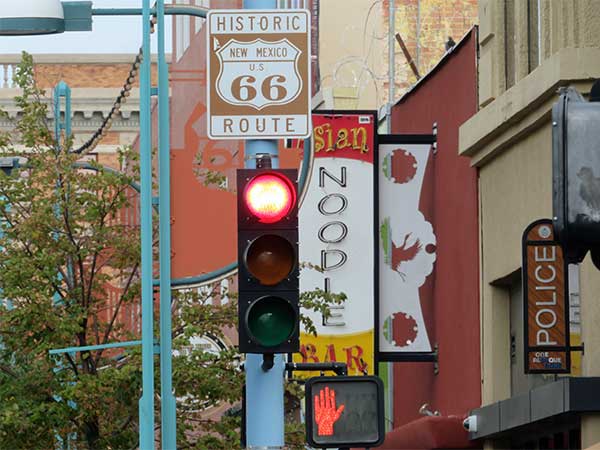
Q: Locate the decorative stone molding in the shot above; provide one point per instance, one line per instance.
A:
(77, 58)
(526, 105)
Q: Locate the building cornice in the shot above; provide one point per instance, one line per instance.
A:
(527, 105)
(77, 58)
(86, 101)
(89, 107)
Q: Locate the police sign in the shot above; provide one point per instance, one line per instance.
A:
(344, 412)
(258, 74)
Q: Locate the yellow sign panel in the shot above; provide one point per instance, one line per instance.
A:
(356, 350)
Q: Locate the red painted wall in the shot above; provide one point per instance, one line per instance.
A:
(447, 96)
(203, 213)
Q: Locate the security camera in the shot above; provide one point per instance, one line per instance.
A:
(425, 411)
(470, 424)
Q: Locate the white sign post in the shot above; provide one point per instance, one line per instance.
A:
(258, 74)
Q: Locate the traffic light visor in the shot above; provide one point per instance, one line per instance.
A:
(269, 197)
(271, 321)
(270, 259)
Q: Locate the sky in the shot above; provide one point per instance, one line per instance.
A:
(110, 35)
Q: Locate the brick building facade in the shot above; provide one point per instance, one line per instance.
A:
(95, 82)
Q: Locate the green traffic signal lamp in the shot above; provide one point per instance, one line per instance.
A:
(271, 321)
(268, 311)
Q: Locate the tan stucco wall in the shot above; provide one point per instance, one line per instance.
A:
(515, 189)
(510, 141)
(564, 24)
(590, 316)
(526, 105)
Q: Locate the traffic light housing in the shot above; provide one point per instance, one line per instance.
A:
(576, 174)
(268, 310)
(344, 412)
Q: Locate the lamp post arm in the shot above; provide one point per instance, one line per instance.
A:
(171, 10)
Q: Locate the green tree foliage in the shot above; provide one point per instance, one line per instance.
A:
(64, 247)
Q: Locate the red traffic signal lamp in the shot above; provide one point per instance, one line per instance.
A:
(268, 311)
(344, 412)
(270, 197)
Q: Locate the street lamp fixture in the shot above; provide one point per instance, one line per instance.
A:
(31, 17)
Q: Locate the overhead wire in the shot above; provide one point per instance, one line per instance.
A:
(368, 40)
(121, 99)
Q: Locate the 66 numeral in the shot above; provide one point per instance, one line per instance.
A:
(243, 88)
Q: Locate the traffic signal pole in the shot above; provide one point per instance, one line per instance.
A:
(264, 390)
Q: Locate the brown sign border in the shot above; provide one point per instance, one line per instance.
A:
(303, 100)
(529, 349)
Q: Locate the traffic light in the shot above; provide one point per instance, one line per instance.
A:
(344, 412)
(268, 270)
(576, 173)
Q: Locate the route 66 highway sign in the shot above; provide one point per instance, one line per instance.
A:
(258, 74)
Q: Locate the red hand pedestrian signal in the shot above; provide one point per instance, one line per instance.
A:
(355, 421)
(326, 413)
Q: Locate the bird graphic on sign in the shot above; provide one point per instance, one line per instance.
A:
(403, 253)
(590, 188)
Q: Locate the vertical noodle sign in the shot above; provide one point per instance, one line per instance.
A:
(337, 236)
(545, 301)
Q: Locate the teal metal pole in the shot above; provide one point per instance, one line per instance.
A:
(62, 90)
(146, 403)
(170, 10)
(168, 406)
(62, 122)
(264, 390)
(86, 348)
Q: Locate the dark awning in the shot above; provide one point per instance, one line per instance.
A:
(430, 432)
(551, 403)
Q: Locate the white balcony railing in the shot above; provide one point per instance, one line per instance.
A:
(7, 71)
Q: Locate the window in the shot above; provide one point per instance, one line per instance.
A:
(184, 26)
(519, 33)
(509, 43)
(533, 34)
(292, 4)
(575, 318)
(520, 382)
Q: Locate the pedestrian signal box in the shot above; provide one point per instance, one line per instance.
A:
(344, 412)
(576, 173)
